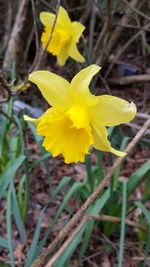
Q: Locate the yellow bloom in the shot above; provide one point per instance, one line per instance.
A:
(65, 36)
(22, 86)
(77, 119)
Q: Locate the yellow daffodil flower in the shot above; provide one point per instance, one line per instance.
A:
(65, 36)
(77, 119)
(22, 86)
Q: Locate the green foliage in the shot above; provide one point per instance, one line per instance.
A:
(14, 156)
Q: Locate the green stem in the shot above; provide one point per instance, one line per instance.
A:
(123, 218)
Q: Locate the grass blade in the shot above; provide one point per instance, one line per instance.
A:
(9, 226)
(69, 251)
(137, 177)
(96, 208)
(89, 172)
(147, 216)
(123, 223)
(32, 250)
(4, 243)
(75, 188)
(8, 175)
(100, 172)
(61, 185)
(17, 215)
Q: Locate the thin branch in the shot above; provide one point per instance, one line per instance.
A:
(125, 47)
(130, 26)
(105, 84)
(44, 257)
(67, 242)
(136, 10)
(115, 35)
(102, 217)
(6, 88)
(42, 55)
(142, 115)
(35, 26)
(91, 30)
(137, 127)
(130, 79)
(114, 219)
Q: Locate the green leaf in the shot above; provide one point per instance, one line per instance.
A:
(17, 215)
(100, 172)
(9, 226)
(69, 250)
(137, 177)
(61, 185)
(39, 141)
(118, 169)
(7, 176)
(89, 172)
(146, 213)
(32, 250)
(123, 222)
(20, 144)
(76, 187)
(37, 162)
(4, 243)
(94, 209)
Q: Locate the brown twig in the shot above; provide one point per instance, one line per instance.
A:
(67, 242)
(142, 115)
(104, 34)
(4, 86)
(42, 55)
(44, 257)
(105, 84)
(35, 26)
(114, 219)
(101, 217)
(136, 10)
(130, 26)
(91, 30)
(125, 47)
(130, 79)
(137, 127)
(18, 35)
(115, 35)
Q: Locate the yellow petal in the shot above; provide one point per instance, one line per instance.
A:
(82, 80)
(111, 111)
(47, 19)
(35, 121)
(62, 138)
(80, 86)
(53, 87)
(77, 29)
(62, 57)
(74, 52)
(101, 142)
(63, 17)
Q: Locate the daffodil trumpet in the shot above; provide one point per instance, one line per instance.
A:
(64, 38)
(78, 119)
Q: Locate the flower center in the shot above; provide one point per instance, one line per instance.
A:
(79, 116)
(60, 38)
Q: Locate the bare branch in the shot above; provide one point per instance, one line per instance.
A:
(44, 257)
(130, 79)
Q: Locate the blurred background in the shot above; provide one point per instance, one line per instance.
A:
(39, 193)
